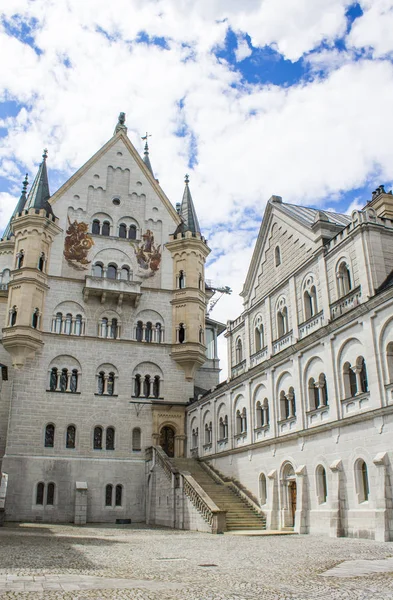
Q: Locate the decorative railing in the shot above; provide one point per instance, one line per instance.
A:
(259, 356)
(210, 512)
(356, 403)
(346, 303)
(239, 368)
(311, 325)
(282, 342)
(231, 325)
(164, 463)
(3, 287)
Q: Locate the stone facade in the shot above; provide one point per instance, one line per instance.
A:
(305, 420)
(98, 381)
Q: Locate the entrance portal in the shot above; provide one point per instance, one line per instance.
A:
(292, 500)
(167, 440)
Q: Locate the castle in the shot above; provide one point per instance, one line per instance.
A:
(110, 405)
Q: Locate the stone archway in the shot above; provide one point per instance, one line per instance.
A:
(288, 496)
(167, 440)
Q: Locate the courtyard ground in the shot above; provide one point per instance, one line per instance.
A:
(58, 561)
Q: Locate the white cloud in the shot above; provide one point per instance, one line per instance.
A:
(374, 29)
(7, 205)
(243, 50)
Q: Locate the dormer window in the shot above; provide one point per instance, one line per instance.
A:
(277, 256)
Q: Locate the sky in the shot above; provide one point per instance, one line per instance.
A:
(250, 98)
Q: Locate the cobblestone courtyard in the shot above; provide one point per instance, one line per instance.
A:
(47, 561)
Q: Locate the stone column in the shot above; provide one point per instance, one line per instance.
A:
(272, 513)
(336, 527)
(301, 525)
(383, 500)
(80, 515)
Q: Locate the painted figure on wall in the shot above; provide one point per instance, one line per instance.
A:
(77, 245)
(148, 255)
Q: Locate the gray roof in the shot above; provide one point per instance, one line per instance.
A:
(309, 215)
(187, 211)
(7, 233)
(39, 193)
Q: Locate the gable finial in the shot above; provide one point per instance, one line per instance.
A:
(25, 184)
(45, 154)
(186, 179)
(146, 158)
(121, 123)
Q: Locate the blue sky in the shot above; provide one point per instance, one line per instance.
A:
(251, 99)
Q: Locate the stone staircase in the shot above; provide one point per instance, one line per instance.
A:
(240, 515)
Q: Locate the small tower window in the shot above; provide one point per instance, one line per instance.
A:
(20, 257)
(36, 316)
(13, 315)
(63, 380)
(74, 381)
(139, 331)
(101, 382)
(68, 324)
(114, 329)
(106, 228)
(182, 280)
(182, 333)
(78, 325)
(110, 438)
(146, 386)
(53, 380)
(41, 262)
(277, 256)
(158, 333)
(96, 227)
(239, 351)
(148, 332)
(111, 384)
(111, 272)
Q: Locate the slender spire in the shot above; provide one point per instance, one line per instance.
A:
(39, 192)
(187, 210)
(7, 233)
(146, 158)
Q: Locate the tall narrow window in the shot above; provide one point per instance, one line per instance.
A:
(313, 394)
(137, 391)
(111, 384)
(20, 257)
(323, 391)
(363, 374)
(122, 230)
(344, 279)
(321, 484)
(362, 484)
(118, 495)
(366, 489)
(98, 270)
(95, 227)
(49, 436)
(50, 494)
(259, 415)
(106, 228)
(13, 315)
(113, 329)
(68, 324)
(149, 332)
(111, 272)
(139, 331)
(39, 497)
(34, 321)
(53, 380)
(63, 380)
(136, 439)
(132, 232)
(101, 382)
(58, 322)
(78, 325)
(182, 333)
(181, 279)
(277, 256)
(146, 386)
(262, 488)
(97, 441)
(41, 262)
(259, 341)
(282, 321)
(125, 274)
(104, 327)
(158, 333)
(70, 438)
(108, 495)
(201, 335)
(238, 422)
(110, 438)
(156, 386)
(239, 351)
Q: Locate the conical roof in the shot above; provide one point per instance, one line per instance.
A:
(39, 193)
(146, 158)
(187, 211)
(7, 233)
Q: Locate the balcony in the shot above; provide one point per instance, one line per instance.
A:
(346, 303)
(283, 342)
(259, 357)
(118, 289)
(311, 325)
(238, 369)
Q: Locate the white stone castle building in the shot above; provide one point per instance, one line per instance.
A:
(110, 371)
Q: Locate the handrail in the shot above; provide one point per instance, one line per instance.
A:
(166, 465)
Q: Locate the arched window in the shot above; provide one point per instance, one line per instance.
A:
(182, 333)
(71, 436)
(148, 332)
(13, 315)
(53, 379)
(50, 494)
(139, 331)
(321, 484)
(146, 386)
(39, 496)
(287, 404)
(122, 230)
(97, 441)
(101, 382)
(6, 277)
(239, 351)
(244, 420)
(259, 338)
(113, 329)
(194, 438)
(310, 303)
(104, 327)
(125, 274)
(361, 365)
(98, 270)
(313, 392)
(20, 257)
(74, 381)
(221, 429)
(262, 489)
(106, 228)
(262, 414)
(259, 415)
(344, 280)
(282, 321)
(95, 228)
(58, 322)
(108, 494)
(63, 380)
(181, 280)
(277, 256)
(158, 333)
(323, 391)
(238, 422)
(111, 384)
(350, 384)
(156, 386)
(110, 438)
(362, 484)
(118, 495)
(207, 436)
(111, 272)
(137, 390)
(68, 324)
(41, 262)
(78, 325)
(36, 316)
(132, 232)
(49, 435)
(136, 440)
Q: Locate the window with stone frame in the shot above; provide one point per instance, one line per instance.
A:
(108, 494)
(119, 495)
(97, 438)
(71, 436)
(110, 438)
(49, 441)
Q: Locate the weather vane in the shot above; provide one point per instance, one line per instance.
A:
(144, 137)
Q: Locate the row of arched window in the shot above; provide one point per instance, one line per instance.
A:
(20, 260)
(147, 386)
(100, 437)
(42, 498)
(113, 493)
(112, 271)
(181, 281)
(68, 324)
(124, 231)
(149, 332)
(108, 327)
(13, 315)
(64, 380)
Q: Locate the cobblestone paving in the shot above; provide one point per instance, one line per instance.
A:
(131, 562)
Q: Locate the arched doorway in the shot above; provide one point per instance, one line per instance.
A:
(292, 500)
(167, 440)
(288, 496)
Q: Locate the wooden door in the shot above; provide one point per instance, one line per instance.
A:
(167, 440)
(292, 500)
